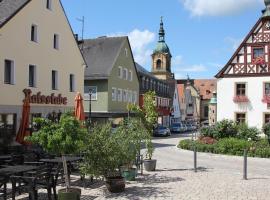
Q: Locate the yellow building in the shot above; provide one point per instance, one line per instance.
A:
(39, 58)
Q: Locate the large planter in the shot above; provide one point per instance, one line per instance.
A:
(150, 165)
(129, 174)
(115, 184)
(70, 194)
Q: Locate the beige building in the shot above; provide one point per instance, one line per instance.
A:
(39, 57)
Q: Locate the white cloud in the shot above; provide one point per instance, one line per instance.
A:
(219, 7)
(140, 42)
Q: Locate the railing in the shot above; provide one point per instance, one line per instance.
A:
(266, 99)
(240, 99)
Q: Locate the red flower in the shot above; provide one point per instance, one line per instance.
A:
(258, 61)
(266, 99)
(240, 99)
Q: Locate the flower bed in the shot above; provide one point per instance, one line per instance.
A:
(230, 146)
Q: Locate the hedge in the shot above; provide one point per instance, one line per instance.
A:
(230, 146)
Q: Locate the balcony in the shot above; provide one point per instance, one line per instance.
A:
(266, 99)
(240, 99)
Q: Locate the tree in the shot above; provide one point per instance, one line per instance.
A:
(66, 137)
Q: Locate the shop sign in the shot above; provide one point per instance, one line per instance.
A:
(45, 99)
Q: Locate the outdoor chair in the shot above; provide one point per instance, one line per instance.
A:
(3, 187)
(34, 180)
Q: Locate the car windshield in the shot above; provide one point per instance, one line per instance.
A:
(161, 127)
(176, 124)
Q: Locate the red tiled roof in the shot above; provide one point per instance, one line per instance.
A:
(206, 87)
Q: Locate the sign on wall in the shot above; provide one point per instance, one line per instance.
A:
(45, 99)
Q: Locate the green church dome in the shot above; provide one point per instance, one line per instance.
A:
(162, 47)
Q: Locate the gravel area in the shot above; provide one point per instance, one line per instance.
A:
(218, 177)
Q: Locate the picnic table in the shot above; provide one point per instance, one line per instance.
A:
(58, 160)
(7, 170)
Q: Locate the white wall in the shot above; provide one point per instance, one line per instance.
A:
(176, 104)
(255, 109)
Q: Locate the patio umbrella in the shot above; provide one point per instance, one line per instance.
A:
(79, 111)
(24, 126)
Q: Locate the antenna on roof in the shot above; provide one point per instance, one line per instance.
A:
(82, 21)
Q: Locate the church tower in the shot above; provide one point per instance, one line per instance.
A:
(161, 57)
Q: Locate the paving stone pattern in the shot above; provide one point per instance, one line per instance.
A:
(218, 178)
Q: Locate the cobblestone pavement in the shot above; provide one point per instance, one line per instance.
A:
(218, 177)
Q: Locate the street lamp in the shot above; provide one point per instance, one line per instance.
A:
(89, 114)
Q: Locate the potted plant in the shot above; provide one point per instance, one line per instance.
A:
(148, 115)
(104, 156)
(133, 134)
(65, 137)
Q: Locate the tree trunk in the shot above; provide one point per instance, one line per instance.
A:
(67, 181)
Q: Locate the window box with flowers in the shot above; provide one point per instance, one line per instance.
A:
(240, 99)
(266, 99)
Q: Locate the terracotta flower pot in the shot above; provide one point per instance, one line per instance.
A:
(70, 194)
(115, 184)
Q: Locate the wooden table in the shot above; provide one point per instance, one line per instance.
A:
(59, 160)
(7, 170)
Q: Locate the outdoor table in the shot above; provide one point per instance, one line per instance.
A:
(7, 170)
(58, 160)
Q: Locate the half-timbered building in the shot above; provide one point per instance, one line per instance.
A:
(243, 85)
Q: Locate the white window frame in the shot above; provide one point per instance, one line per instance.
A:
(120, 69)
(94, 89)
(35, 76)
(72, 81)
(130, 76)
(125, 75)
(35, 37)
(125, 96)
(49, 4)
(56, 39)
(119, 95)
(56, 80)
(12, 72)
(114, 94)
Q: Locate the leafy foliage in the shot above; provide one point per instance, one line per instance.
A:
(148, 116)
(107, 150)
(230, 146)
(266, 130)
(65, 137)
(227, 128)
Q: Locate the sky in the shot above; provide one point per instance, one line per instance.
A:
(202, 34)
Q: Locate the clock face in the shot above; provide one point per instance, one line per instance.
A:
(267, 25)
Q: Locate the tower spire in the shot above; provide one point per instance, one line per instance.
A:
(266, 11)
(161, 31)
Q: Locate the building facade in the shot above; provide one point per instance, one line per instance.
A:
(176, 116)
(195, 96)
(111, 76)
(148, 82)
(40, 60)
(243, 84)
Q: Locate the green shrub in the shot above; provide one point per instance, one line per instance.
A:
(230, 146)
(266, 131)
(244, 132)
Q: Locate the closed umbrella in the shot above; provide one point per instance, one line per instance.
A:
(79, 111)
(24, 126)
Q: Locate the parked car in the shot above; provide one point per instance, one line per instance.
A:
(178, 127)
(162, 131)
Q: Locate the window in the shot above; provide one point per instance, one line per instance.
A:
(125, 74)
(93, 90)
(32, 76)
(9, 72)
(49, 4)
(119, 94)
(241, 118)
(266, 88)
(8, 125)
(267, 118)
(125, 99)
(258, 52)
(190, 105)
(56, 41)
(134, 97)
(120, 72)
(54, 80)
(114, 94)
(34, 33)
(241, 89)
(158, 64)
(130, 75)
(206, 111)
(71, 82)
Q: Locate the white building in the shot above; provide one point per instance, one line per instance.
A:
(176, 113)
(243, 85)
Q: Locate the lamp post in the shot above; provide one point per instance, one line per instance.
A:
(89, 114)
